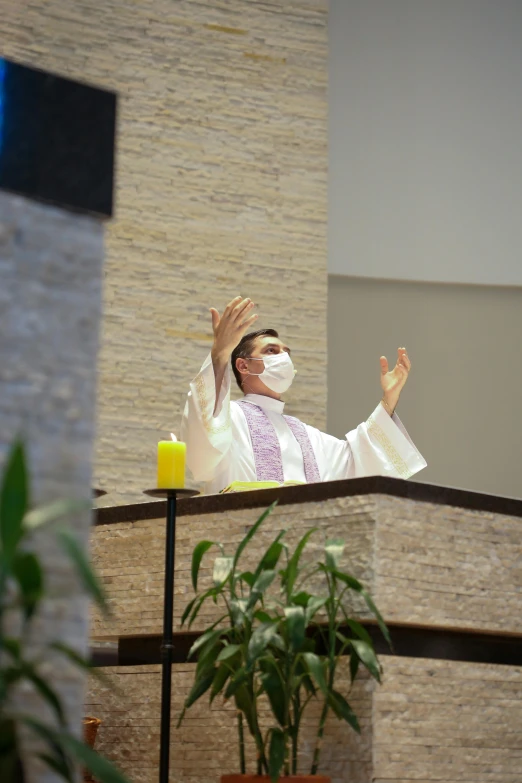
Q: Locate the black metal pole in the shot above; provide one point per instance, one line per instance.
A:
(167, 646)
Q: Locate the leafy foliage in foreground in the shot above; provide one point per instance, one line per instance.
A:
(286, 647)
(22, 589)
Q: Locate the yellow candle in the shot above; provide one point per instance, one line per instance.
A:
(171, 464)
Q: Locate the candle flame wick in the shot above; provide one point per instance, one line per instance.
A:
(173, 437)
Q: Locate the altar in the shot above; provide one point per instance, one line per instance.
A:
(444, 567)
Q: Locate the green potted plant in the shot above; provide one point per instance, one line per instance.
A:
(22, 589)
(277, 641)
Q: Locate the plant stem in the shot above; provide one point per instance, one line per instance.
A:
(332, 627)
(261, 757)
(242, 765)
(295, 733)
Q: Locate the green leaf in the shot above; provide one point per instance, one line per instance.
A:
(262, 583)
(354, 665)
(259, 641)
(14, 499)
(187, 610)
(101, 768)
(244, 703)
(207, 656)
(276, 754)
(10, 763)
(29, 575)
(315, 667)
(349, 580)
(12, 646)
(251, 533)
(315, 603)
(271, 557)
(367, 656)
(200, 687)
(237, 610)
(272, 683)
(90, 581)
(42, 515)
(358, 630)
(343, 710)
(228, 652)
(59, 764)
(222, 674)
(197, 556)
(238, 679)
(262, 616)
(301, 599)
(295, 623)
(333, 550)
(196, 604)
(211, 634)
(222, 569)
(380, 621)
(247, 577)
(290, 573)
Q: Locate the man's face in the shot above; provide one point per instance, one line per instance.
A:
(267, 346)
(250, 368)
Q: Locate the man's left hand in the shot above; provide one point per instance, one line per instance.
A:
(392, 381)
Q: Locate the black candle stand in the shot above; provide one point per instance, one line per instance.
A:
(168, 610)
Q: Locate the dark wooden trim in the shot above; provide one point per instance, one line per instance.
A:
(312, 493)
(408, 641)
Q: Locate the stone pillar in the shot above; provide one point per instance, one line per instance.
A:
(56, 190)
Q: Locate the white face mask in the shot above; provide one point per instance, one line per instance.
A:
(278, 373)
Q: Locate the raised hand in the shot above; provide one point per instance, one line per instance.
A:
(392, 381)
(230, 326)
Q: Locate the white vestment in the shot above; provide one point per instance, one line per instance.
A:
(219, 447)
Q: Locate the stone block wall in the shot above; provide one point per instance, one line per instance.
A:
(430, 721)
(50, 307)
(424, 563)
(221, 190)
(206, 744)
(428, 564)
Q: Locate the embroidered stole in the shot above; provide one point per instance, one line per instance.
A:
(267, 451)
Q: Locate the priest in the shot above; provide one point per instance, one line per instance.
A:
(252, 439)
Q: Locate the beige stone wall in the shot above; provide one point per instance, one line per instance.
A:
(447, 721)
(431, 721)
(221, 189)
(206, 744)
(424, 563)
(50, 308)
(129, 556)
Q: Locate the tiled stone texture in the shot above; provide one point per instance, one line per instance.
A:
(424, 563)
(129, 557)
(50, 305)
(431, 721)
(447, 721)
(206, 744)
(221, 189)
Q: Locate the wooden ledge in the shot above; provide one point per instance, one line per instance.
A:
(312, 493)
(411, 641)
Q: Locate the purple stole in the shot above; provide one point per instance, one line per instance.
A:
(267, 451)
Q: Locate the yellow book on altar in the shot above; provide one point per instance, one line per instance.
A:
(245, 486)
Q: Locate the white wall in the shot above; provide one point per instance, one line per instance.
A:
(426, 140)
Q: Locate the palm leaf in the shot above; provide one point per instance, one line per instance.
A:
(90, 581)
(14, 499)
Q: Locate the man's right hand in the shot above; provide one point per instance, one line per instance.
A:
(230, 327)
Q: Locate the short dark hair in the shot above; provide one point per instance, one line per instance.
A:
(245, 347)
